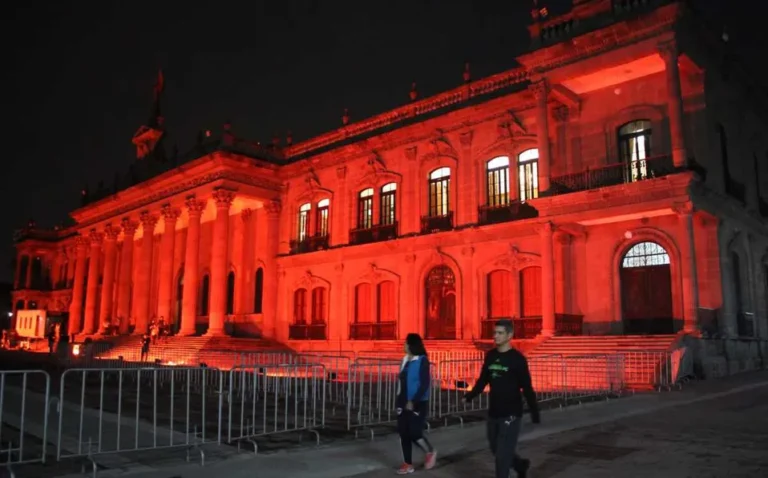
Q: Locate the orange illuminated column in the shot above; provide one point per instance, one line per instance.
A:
(143, 279)
(547, 280)
(269, 308)
(191, 264)
(167, 244)
(76, 306)
(219, 260)
(670, 54)
(540, 91)
(126, 275)
(108, 281)
(89, 323)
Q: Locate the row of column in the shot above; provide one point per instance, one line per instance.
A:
(88, 320)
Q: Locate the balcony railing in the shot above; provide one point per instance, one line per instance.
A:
(309, 244)
(373, 331)
(613, 174)
(307, 331)
(511, 212)
(380, 232)
(530, 327)
(437, 223)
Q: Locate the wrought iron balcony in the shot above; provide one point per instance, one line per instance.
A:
(373, 331)
(316, 331)
(510, 212)
(309, 244)
(613, 174)
(376, 233)
(437, 223)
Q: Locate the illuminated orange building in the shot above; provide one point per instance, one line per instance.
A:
(607, 185)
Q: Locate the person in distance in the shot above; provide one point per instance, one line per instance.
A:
(505, 369)
(412, 403)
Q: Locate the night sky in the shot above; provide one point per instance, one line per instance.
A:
(82, 72)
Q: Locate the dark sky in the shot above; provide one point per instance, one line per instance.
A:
(82, 72)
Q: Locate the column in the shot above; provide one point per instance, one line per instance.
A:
(541, 93)
(126, 275)
(269, 307)
(28, 282)
(191, 267)
(669, 52)
(144, 276)
(342, 209)
(92, 290)
(167, 245)
(71, 263)
(547, 280)
(689, 270)
(108, 281)
(219, 262)
(76, 306)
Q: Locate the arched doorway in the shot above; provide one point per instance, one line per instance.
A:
(646, 290)
(440, 288)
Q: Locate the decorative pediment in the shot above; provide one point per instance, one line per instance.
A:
(309, 281)
(440, 147)
(376, 174)
(375, 274)
(313, 191)
(515, 259)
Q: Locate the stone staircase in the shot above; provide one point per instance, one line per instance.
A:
(634, 362)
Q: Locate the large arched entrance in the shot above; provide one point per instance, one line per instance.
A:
(440, 288)
(646, 290)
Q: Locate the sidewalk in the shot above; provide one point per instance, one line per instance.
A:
(379, 457)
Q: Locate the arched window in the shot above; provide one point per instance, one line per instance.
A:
(230, 293)
(365, 209)
(528, 174)
(439, 189)
(303, 222)
(258, 295)
(388, 204)
(497, 180)
(322, 226)
(204, 294)
(644, 254)
(635, 148)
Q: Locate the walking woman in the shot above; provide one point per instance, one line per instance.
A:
(412, 404)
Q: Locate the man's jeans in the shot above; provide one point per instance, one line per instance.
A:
(502, 436)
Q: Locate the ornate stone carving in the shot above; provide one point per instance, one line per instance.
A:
(519, 260)
(467, 251)
(341, 172)
(246, 214)
(111, 232)
(411, 153)
(466, 139)
(148, 220)
(516, 125)
(440, 147)
(410, 258)
(273, 207)
(683, 208)
(194, 207)
(170, 213)
(668, 51)
(339, 268)
(561, 114)
(95, 237)
(540, 90)
(223, 198)
(376, 163)
(545, 228)
(312, 179)
(129, 227)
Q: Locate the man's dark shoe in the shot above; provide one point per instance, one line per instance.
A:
(521, 466)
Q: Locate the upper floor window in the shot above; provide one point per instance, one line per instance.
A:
(528, 174)
(303, 222)
(322, 217)
(388, 204)
(497, 178)
(439, 188)
(635, 141)
(365, 209)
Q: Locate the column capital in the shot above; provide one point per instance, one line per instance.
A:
(545, 229)
(246, 214)
(223, 198)
(148, 222)
(170, 213)
(668, 51)
(111, 232)
(683, 208)
(194, 207)
(540, 89)
(95, 237)
(273, 207)
(562, 114)
(129, 227)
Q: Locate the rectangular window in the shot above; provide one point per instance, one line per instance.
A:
(365, 209)
(438, 196)
(388, 205)
(498, 184)
(529, 180)
(303, 222)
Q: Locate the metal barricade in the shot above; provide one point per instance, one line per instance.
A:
(117, 410)
(372, 389)
(24, 398)
(275, 399)
(454, 379)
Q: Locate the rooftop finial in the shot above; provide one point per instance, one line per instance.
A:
(289, 138)
(467, 75)
(414, 92)
(345, 118)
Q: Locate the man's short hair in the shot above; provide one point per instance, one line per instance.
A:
(507, 324)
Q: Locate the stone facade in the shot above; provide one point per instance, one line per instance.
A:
(529, 194)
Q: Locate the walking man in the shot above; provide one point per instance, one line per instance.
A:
(505, 369)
